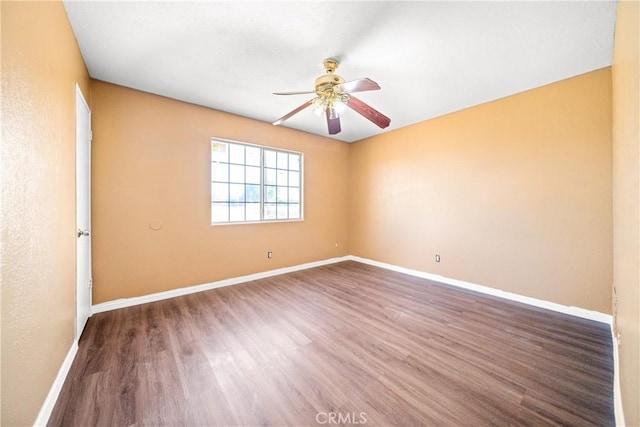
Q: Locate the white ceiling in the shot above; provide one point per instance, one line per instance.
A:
(430, 58)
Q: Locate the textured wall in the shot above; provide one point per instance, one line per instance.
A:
(626, 202)
(40, 64)
(514, 194)
(152, 162)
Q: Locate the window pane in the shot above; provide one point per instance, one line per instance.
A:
(294, 162)
(283, 160)
(219, 151)
(294, 211)
(236, 153)
(282, 177)
(294, 195)
(219, 172)
(253, 211)
(294, 179)
(252, 193)
(270, 176)
(253, 156)
(236, 192)
(219, 212)
(269, 194)
(236, 173)
(269, 159)
(283, 196)
(282, 211)
(269, 211)
(236, 212)
(253, 175)
(220, 192)
(252, 183)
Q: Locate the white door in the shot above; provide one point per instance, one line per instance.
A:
(83, 212)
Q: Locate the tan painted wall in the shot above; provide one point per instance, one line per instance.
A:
(1, 214)
(514, 194)
(1, 204)
(151, 161)
(626, 202)
(40, 64)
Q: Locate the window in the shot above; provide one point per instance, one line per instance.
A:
(250, 183)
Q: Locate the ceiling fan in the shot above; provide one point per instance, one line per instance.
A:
(334, 95)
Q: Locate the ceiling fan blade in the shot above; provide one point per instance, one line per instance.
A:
(368, 112)
(333, 123)
(301, 92)
(297, 110)
(359, 85)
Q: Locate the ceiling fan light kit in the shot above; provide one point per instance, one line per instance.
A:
(333, 95)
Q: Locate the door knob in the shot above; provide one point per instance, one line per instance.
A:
(83, 232)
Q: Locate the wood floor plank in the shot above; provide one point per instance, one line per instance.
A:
(339, 344)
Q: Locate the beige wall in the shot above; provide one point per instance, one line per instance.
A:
(40, 64)
(151, 162)
(1, 214)
(514, 194)
(626, 202)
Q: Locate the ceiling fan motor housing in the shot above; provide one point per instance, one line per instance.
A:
(328, 81)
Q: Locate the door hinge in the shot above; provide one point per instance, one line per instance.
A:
(90, 283)
(90, 136)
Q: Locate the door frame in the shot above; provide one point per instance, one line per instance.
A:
(80, 102)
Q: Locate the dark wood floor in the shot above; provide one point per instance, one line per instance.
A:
(347, 343)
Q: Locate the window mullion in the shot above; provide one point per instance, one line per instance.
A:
(261, 184)
(228, 183)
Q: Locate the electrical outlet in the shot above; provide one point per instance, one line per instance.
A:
(437, 258)
(269, 254)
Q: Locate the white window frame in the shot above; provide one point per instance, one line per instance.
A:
(263, 184)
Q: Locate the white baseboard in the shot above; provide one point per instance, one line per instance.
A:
(617, 396)
(54, 391)
(129, 302)
(574, 311)
(571, 310)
